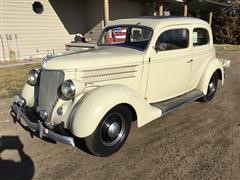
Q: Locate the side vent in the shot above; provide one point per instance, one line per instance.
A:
(107, 74)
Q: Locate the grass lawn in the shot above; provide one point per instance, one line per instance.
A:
(13, 78)
(227, 47)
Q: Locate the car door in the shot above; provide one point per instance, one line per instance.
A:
(170, 64)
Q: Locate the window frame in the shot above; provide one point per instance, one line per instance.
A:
(208, 34)
(127, 25)
(175, 28)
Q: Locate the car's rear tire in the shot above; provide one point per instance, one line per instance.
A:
(111, 132)
(212, 89)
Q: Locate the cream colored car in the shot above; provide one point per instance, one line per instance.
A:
(140, 70)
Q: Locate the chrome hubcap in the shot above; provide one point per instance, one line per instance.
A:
(211, 88)
(113, 129)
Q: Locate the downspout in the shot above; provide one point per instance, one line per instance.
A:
(4, 58)
(16, 41)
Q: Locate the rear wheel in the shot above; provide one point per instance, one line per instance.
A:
(212, 88)
(111, 132)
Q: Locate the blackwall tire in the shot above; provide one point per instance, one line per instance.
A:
(111, 132)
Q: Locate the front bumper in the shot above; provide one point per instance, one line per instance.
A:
(39, 127)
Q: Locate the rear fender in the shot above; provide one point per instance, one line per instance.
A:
(93, 106)
(213, 66)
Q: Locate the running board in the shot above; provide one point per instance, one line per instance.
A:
(175, 103)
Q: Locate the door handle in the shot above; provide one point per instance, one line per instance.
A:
(191, 60)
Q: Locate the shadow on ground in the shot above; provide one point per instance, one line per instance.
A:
(10, 169)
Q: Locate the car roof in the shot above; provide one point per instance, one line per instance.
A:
(156, 21)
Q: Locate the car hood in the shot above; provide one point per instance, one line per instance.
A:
(96, 58)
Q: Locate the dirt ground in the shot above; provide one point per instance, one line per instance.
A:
(198, 141)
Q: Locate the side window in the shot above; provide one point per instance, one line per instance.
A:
(173, 39)
(200, 37)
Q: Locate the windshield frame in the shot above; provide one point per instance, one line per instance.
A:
(125, 25)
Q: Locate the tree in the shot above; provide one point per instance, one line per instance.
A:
(226, 24)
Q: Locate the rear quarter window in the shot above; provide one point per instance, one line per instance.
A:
(200, 37)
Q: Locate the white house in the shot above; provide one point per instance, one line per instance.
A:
(30, 29)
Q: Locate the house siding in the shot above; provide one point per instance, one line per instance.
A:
(26, 34)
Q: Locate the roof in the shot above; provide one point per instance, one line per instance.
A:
(155, 21)
(192, 4)
(195, 5)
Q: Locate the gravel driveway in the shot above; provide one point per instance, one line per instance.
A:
(198, 141)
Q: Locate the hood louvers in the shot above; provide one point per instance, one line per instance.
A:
(107, 74)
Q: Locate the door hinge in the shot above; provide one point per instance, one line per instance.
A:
(149, 60)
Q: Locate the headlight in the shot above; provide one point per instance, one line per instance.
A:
(32, 77)
(68, 89)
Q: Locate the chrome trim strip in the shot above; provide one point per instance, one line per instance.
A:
(113, 79)
(118, 67)
(106, 74)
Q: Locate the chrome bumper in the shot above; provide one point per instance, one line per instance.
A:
(39, 127)
(226, 63)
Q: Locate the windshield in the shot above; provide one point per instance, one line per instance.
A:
(137, 37)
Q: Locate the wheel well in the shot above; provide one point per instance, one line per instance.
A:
(219, 74)
(133, 112)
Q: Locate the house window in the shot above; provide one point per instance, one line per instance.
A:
(173, 39)
(37, 7)
(200, 37)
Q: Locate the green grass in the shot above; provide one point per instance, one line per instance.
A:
(13, 78)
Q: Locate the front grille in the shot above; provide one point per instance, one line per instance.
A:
(50, 82)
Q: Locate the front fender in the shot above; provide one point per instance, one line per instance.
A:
(212, 66)
(92, 107)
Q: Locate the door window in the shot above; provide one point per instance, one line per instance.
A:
(200, 37)
(173, 39)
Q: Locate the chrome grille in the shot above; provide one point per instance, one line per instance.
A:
(50, 82)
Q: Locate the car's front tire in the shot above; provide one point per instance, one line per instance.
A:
(111, 132)
(212, 89)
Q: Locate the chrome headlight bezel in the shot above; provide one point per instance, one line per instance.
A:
(68, 89)
(32, 77)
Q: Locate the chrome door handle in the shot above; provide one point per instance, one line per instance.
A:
(190, 61)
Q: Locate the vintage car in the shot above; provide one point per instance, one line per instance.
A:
(141, 69)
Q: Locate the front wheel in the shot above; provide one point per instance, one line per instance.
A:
(111, 132)
(212, 88)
